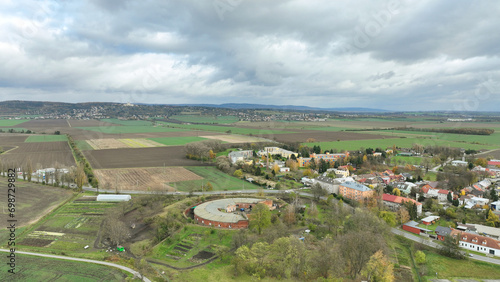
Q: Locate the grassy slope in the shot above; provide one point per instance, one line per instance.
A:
(32, 268)
(219, 180)
(176, 141)
(46, 138)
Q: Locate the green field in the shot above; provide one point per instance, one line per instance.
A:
(83, 145)
(46, 138)
(32, 268)
(206, 119)
(493, 139)
(226, 129)
(128, 122)
(407, 160)
(130, 129)
(177, 141)
(219, 180)
(12, 122)
(448, 268)
(398, 142)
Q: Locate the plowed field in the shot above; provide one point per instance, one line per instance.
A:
(143, 178)
(41, 154)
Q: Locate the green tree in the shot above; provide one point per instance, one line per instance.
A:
(449, 197)
(238, 173)
(379, 268)
(420, 257)
(450, 247)
(396, 192)
(318, 191)
(492, 219)
(261, 218)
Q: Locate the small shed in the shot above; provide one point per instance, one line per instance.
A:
(430, 219)
(113, 198)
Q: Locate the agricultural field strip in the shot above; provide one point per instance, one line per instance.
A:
(205, 119)
(11, 122)
(45, 138)
(232, 129)
(133, 272)
(130, 129)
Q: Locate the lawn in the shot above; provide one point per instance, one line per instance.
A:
(177, 141)
(206, 119)
(12, 122)
(46, 138)
(352, 145)
(32, 268)
(407, 160)
(226, 129)
(219, 180)
(130, 129)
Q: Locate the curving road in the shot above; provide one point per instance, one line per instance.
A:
(130, 270)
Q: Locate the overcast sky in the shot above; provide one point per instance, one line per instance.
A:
(396, 55)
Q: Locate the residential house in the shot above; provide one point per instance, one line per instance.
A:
(440, 194)
(241, 155)
(471, 201)
(405, 187)
(442, 232)
(355, 191)
(459, 163)
(478, 243)
(327, 183)
(395, 202)
(480, 229)
(331, 158)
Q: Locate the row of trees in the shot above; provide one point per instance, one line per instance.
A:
(84, 170)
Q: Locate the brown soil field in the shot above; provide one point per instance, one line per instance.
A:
(33, 201)
(42, 154)
(9, 139)
(44, 123)
(91, 122)
(322, 136)
(143, 179)
(490, 154)
(139, 157)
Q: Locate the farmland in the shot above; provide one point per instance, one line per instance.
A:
(226, 129)
(32, 268)
(11, 122)
(69, 228)
(176, 141)
(130, 129)
(205, 119)
(139, 157)
(236, 138)
(112, 143)
(46, 154)
(398, 142)
(33, 201)
(219, 180)
(46, 138)
(143, 178)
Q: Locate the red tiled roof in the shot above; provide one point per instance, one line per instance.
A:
(398, 199)
(426, 188)
(442, 191)
(493, 163)
(477, 239)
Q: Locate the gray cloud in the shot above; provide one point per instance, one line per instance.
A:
(330, 53)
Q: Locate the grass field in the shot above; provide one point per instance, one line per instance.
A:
(130, 129)
(12, 122)
(206, 119)
(407, 160)
(32, 268)
(399, 142)
(226, 129)
(219, 180)
(83, 145)
(176, 141)
(128, 122)
(448, 268)
(46, 138)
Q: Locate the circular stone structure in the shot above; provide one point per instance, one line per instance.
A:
(225, 213)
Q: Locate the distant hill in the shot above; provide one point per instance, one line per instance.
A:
(284, 107)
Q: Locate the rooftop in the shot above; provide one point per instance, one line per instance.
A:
(212, 210)
(356, 186)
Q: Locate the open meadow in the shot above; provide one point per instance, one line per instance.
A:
(219, 180)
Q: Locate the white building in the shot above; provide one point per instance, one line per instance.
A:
(459, 163)
(478, 243)
(113, 198)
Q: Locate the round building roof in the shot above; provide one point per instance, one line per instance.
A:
(215, 210)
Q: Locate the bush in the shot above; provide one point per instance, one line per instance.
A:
(420, 257)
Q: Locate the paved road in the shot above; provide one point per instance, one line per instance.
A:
(130, 270)
(431, 243)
